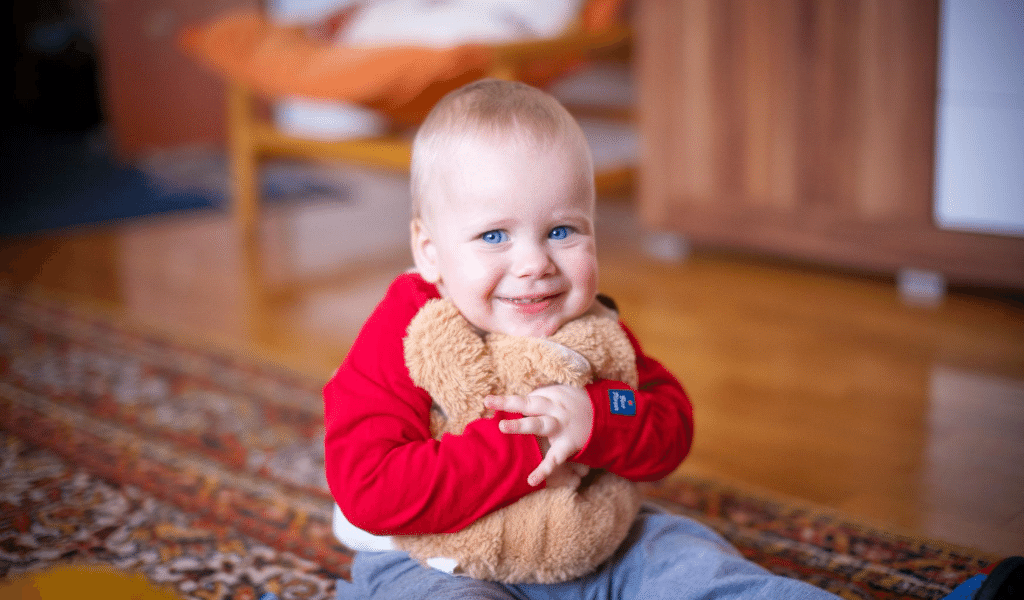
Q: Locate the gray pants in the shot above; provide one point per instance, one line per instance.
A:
(665, 556)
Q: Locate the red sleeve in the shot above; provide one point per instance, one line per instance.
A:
(643, 434)
(385, 471)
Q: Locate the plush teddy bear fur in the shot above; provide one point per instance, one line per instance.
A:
(551, 535)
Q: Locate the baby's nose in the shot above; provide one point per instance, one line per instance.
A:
(533, 260)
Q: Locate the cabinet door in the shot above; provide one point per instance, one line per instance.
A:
(804, 128)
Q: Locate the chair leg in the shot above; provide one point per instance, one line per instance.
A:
(243, 159)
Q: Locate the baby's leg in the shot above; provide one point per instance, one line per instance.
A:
(676, 557)
(387, 575)
(668, 556)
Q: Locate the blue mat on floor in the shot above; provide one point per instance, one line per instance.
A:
(58, 180)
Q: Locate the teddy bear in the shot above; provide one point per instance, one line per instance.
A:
(553, 534)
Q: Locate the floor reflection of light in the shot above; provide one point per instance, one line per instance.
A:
(974, 462)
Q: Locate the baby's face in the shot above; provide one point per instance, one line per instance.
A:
(509, 237)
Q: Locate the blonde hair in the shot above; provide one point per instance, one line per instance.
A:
(492, 110)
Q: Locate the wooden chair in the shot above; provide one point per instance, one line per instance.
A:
(252, 136)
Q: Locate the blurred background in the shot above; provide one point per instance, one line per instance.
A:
(812, 213)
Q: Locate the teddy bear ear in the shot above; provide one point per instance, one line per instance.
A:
(438, 335)
(448, 359)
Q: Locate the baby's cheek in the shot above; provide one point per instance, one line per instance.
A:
(583, 272)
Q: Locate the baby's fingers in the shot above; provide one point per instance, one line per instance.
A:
(524, 405)
(542, 425)
(543, 470)
(580, 470)
(566, 475)
(556, 456)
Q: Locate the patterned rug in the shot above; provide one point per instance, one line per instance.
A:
(204, 473)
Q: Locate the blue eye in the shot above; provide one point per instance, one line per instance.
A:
(560, 233)
(495, 236)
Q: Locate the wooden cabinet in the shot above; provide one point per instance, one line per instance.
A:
(156, 96)
(802, 128)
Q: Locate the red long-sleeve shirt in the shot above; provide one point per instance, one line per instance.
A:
(390, 477)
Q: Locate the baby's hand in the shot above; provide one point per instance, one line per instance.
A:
(560, 413)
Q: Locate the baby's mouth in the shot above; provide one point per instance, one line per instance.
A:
(528, 301)
(525, 300)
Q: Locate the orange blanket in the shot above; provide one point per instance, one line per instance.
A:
(402, 82)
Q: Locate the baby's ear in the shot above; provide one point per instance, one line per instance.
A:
(424, 252)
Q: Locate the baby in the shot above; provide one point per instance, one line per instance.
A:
(503, 227)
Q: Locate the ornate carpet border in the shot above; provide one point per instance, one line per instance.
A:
(54, 512)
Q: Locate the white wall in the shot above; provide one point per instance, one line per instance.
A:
(979, 179)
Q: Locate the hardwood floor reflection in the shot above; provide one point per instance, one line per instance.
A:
(808, 384)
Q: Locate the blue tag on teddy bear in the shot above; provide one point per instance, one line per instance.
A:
(623, 402)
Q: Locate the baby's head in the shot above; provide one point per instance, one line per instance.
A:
(503, 208)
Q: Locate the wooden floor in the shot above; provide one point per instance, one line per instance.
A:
(807, 384)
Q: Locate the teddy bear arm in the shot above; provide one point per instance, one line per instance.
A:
(604, 344)
(522, 365)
